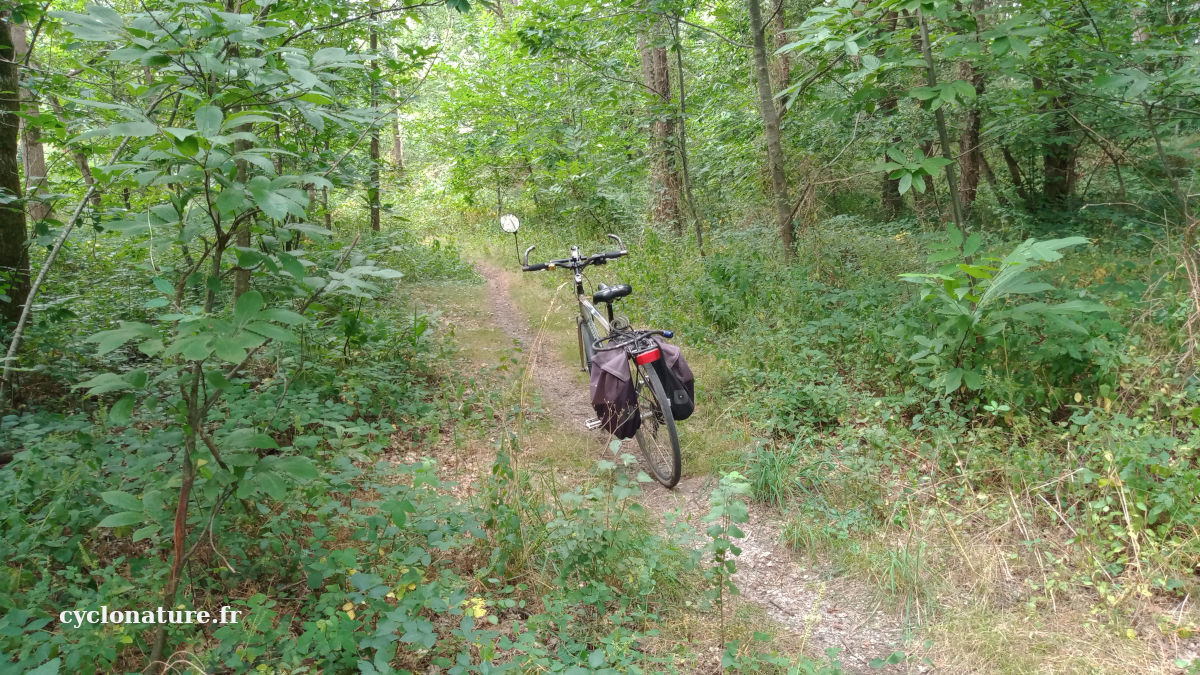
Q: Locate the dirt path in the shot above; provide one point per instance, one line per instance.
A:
(812, 607)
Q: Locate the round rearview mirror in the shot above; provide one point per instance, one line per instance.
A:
(509, 223)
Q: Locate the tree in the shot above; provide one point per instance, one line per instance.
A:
(770, 119)
(33, 155)
(373, 170)
(14, 254)
(656, 73)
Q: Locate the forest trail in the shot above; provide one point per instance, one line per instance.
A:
(814, 610)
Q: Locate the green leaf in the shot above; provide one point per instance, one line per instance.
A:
(953, 380)
(230, 200)
(104, 383)
(299, 468)
(965, 90)
(122, 500)
(248, 438)
(272, 484)
(971, 245)
(135, 129)
(932, 165)
(906, 182)
(124, 518)
(228, 350)
(270, 330)
(188, 147)
(208, 120)
(976, 271)
(108, 340)
(973, 379)
(191, 347)
(122, 410)
(50, 667)
(398, 510)
(248, 307)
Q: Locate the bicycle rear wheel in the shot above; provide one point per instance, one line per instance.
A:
(657, 436)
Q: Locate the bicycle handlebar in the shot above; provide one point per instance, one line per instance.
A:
(575, 263)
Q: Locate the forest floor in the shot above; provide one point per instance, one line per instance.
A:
(804, 606)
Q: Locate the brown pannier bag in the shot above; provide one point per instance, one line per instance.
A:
(613, 395)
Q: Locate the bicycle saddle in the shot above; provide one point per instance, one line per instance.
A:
(609, 293)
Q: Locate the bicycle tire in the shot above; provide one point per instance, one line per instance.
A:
(657, 436)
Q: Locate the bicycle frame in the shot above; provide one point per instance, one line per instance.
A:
(588, 316)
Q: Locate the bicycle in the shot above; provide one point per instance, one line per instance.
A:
(657, 436)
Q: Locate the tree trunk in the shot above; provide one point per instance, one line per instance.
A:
(770, 116)
(782, 66)
(14, 256)
(241, 277)
(373, 189)
(893, 201)
(891, 198)
(664, 172)
(33, 156)
(1014, 173)
(693, 206)
(397, 143)
(325, 208)
(970, 154)
(1058, 153)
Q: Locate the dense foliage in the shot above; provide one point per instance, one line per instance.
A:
(943, 279)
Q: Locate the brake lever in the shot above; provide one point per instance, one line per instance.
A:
(527, 254)
(619, 242)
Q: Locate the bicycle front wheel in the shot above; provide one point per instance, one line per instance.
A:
(657, 436)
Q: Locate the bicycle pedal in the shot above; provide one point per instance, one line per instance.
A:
(593, 423)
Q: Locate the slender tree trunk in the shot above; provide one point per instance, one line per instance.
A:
(397, 143)
(770, 116)
(697, 218)
(14, 256)
(80, 157)
(893, 201)
(325, 208)
(891, 198)
(782, 66)
(664, 172)
(373, 189)
(241, 277)
(943, 134)
(1014, 173)
(970, 154)
(33, 155)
